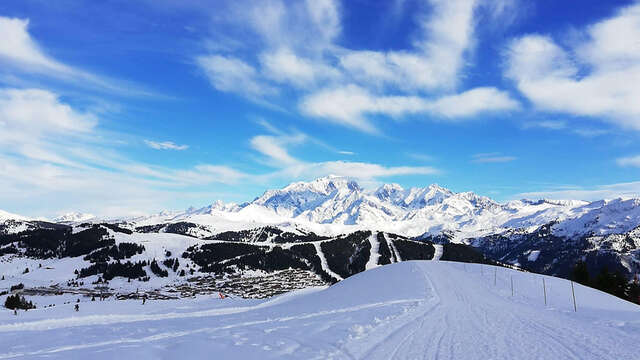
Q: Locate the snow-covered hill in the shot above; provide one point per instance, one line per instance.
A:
(409, 310)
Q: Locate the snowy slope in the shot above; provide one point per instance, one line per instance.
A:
(430, 310)
(4, 215)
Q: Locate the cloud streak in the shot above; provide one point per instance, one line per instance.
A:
(489, 158)
(165, 145)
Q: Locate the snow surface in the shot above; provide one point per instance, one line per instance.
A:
(533, 255)
(409, 310)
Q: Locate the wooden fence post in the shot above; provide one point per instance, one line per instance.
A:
(511, 285)
(573, 294)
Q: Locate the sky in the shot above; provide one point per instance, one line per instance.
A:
(123, 107)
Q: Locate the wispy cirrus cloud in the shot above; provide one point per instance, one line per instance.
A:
(494, 157)
(57, 152)
(561, 125)
(277, 150)
(608, 191)
(165, 145)
(19, 51)
(630, 161)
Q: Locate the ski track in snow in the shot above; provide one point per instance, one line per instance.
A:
(392, 246)
(374, 254)
(323, 261)
(410, 310)
(438, 252)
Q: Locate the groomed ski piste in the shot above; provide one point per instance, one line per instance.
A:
(408, 310)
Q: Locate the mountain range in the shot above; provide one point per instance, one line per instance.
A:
(542, 235)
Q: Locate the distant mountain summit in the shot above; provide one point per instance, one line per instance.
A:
(73, 217)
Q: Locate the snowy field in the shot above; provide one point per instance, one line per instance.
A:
(408, 310)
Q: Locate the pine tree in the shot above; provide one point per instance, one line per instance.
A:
(580, 273)
(18, 302)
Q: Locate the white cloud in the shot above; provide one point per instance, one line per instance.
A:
(304, 25)
(343, 85)
(421, 157)
(356, 170)
(343, 152)
(595, 77)
(495, 157)
(562, 125)
(29, 111)
(546, 124)
(165, 145)
(19, 48)
(325, 16)
(231, 74)
(610, 191)
(19, 51)
(445, 36)
(472, 102)
(633, 161)
(284, 66)
(274, 147)
(349, 105)
(62, 157)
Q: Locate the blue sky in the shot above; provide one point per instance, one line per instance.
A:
(127, 107)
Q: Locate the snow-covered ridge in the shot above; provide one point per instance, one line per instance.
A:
(332, 205)
(73, 217)
(4, 215)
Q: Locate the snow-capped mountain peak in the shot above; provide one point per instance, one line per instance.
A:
(73, 217)
(336, 204)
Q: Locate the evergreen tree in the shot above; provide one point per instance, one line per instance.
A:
(18, 302)
(633, 290)
(580, 273)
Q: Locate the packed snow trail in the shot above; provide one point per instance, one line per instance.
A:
(323, 261)
(393, 249)
(409, 310)
(438, 252)
(374, 254)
